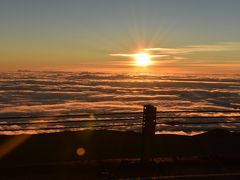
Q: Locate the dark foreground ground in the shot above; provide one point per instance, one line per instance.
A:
(113, 155)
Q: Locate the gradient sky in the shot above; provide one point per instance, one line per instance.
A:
(80, 34)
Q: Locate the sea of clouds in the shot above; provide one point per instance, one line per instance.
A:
(56, 93)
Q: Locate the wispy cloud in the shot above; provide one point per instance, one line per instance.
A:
(123, 55)
(181, 53)
(132, 55)
(227, 46)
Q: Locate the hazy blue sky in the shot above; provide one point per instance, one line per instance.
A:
(60, 33)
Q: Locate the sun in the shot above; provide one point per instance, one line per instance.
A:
(142, 59)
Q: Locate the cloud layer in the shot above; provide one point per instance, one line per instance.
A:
(43, 93)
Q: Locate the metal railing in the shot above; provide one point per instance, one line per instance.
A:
(118, 119)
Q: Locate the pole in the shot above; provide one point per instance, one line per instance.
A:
(148, 132)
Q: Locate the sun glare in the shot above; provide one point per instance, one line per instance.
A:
(142, 59)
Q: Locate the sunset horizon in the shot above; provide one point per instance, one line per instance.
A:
(191, 37)
(119, 89)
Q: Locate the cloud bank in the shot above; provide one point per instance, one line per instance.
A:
(56, 93)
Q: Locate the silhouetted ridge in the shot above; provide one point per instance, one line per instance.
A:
(216, 132)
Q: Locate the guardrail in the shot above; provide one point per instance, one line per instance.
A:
(121, 119)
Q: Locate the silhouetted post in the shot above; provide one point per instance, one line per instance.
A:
(148, 132)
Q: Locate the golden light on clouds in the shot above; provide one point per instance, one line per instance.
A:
(182, 59)
(141, 59)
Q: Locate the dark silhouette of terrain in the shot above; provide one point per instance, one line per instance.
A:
(87, 151)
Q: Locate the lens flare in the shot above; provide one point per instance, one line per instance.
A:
(81, 151)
